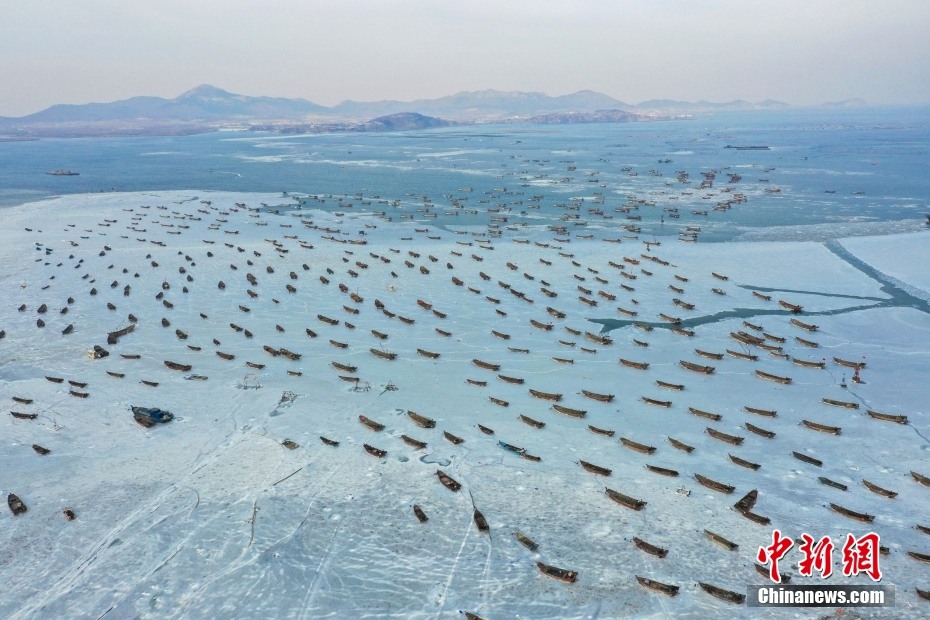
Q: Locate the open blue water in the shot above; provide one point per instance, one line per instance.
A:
(832, 167)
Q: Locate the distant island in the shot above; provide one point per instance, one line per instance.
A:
(208, 108)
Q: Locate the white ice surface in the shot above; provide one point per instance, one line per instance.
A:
(209, 516)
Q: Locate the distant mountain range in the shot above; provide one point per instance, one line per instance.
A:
(207, 108)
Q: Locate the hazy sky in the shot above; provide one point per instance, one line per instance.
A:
(799, 51)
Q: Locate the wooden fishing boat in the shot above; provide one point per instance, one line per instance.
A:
(556, 313)
(532, 422)
(839, 403)
(713, 484)
(374, 451)
(709, 355)
(604, 340)
(639, 447)
(310, 333)
(657, 586)
(568, 576)
(744, 463)
(807, 343)
(670, 386)
(452, 438)
(747, 502)
(387, 355)
(539, 325)
(486, 365)
(823, 428)
(808, 364)
(501, 335)
(874, 488)
(761, 296)
(773, 337)
(770, 377)
(716, 417)
(662, 471)
(517, 350)
(343, 367)
(730, 439)
(807, 459)
(564, 360)
(594, 469)
(410, 441)
(525, 541)
(632, 364)
(443, 332)
(742, 356)
(680, 445)
(674, 320)
(643, 326)
(575, 413)
(327, 319)
(507, 379)
(752, 428)
(768, 413)
(649, 548)
(572, 331)
(625, 500)
(724, 595)
(177, 366)
(485, 429)
(254, 365)
(758, 328)
(226, 356)
(17, 507)
(887, 417)
(849, 363)
(682, 332)
(476, 382)
(375, 426)
(428, 354)
(420, 420)
(805, 326)
(447, 481)
(746, 337)
(852, 514)
(499, 401)
(24, 416)
(756, 518)
(766, 572)
(118, 375)
(720, 540)
(54, 379)
(923, 528)
(920, 557)
(339, 345)
(655, 402)
(601, 431)
(707, 370)
(921, 479)
(405, 320)
(21, 400)
(545, 395)
(789, 306)
(627, 312)
(832, 483)
(421, 516)
(604, 398)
